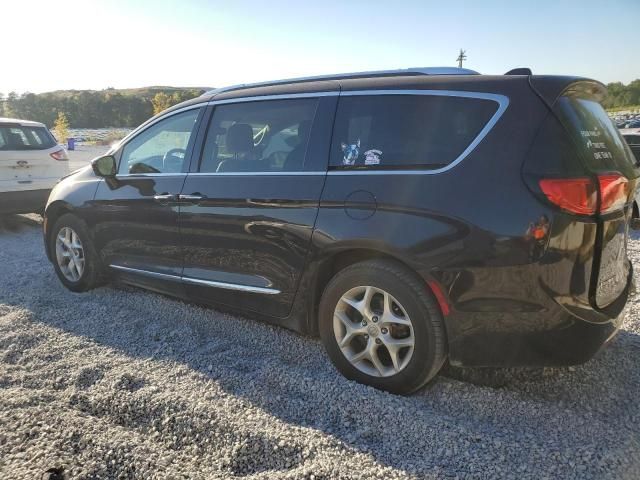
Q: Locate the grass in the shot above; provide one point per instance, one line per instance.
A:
(628, 108)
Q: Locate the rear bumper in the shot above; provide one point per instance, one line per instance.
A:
(557, 337)
(26, 201)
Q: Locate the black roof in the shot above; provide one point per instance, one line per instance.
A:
(476, 83)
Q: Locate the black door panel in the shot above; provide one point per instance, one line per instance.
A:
(136, 213)
(247, 235)
(246, 224)
(136, 230)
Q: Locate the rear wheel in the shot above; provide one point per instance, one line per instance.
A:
(381, 327)
(74, 258)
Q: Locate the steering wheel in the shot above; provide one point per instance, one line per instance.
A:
(172, 161)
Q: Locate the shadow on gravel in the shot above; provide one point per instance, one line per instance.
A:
(550, 420)
(18, 223)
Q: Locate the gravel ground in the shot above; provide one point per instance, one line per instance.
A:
(120, 383)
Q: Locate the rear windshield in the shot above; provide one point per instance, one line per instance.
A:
(600, 144)
(25, 138)
(406, 131)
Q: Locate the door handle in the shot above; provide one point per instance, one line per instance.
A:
(165, 197)
(195, 198)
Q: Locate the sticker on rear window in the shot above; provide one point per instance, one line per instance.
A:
(372, 157)
(350, 152)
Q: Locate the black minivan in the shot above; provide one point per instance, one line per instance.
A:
(408, 217)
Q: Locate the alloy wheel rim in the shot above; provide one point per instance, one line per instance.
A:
(70, 254)
(373, 331)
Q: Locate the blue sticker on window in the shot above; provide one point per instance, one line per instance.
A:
(350, 153)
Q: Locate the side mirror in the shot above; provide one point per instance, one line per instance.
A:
(104, 166)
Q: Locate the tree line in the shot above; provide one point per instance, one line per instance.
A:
(95, 108)
(620, 95)
(128, 108)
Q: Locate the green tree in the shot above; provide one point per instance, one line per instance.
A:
(96, 109)
(161, 101)
(11, 105)
(620, 95)
(61, 127)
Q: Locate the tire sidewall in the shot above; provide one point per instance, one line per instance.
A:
(425, 356)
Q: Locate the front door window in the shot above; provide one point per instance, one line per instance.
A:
(160, 148)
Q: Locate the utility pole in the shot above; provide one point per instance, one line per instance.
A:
(462, 57)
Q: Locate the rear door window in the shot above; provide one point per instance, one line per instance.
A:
(15, 137)
(260, 136)
(406, 131)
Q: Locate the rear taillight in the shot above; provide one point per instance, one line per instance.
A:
(614, 192)
(579, 195)
(59, 155)
(576, 195)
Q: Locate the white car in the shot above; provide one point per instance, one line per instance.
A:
(632, 136)
(31, 163)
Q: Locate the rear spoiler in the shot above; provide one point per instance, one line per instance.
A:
(519, 71)
(550, 87)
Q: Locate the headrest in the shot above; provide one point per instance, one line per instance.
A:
(240, 138)
(15, 140)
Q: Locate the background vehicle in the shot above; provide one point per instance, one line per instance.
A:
(31, 162)
(407, 217)
(632, 136)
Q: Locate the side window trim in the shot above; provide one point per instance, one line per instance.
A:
(501, 100)
(207, 118)
(201, 138)
(143, 128)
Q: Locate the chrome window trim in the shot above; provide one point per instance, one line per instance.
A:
(501, 100)
(146, 175)
(197, 281)
(149, 123)
(247, 174)
(283, 96)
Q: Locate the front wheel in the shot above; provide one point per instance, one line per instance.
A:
(381, 327)
(74, 258)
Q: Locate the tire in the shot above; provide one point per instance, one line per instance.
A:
(409, 297)
(91, 275)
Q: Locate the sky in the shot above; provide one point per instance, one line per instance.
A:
(96, 44)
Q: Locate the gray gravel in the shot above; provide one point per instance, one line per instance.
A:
(121, 383)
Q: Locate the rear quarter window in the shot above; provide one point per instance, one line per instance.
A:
(406, 131)
(15, 137)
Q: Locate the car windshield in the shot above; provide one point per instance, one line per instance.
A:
(25, 138)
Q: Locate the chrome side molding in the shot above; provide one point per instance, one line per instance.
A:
(197, 281)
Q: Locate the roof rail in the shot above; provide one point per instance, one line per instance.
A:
(344, 76)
